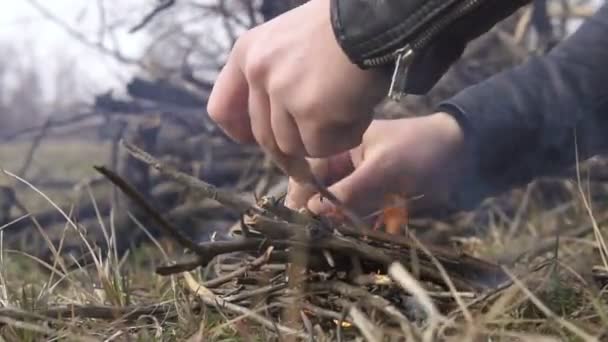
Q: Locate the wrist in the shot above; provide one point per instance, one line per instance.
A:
(458, 164)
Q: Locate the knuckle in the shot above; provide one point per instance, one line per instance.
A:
(257, 65)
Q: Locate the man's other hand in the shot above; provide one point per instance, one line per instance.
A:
(289, 87)
(406, 157)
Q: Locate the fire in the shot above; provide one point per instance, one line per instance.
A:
(394, 215)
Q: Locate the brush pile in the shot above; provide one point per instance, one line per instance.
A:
(301, 275)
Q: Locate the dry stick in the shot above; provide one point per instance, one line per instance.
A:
(384, 257)
(449, 259)
(129, 313)
(359, 293)
(254, 265)
(227, 199)
(159, 8)
(180, 267)
(212, 300)
(322, 312)
(272, 229)
(240, 205)
(206, 251)
(265, 290)
(349, 246)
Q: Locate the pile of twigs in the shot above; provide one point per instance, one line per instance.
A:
(311, 274)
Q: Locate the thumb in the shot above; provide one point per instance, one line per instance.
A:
(360, 191)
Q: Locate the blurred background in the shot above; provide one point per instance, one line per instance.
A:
(77, 76)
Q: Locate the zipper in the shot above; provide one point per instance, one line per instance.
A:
(404, 56)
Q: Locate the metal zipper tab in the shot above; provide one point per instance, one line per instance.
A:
(398, 86)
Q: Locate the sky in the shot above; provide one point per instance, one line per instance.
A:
(46, 45)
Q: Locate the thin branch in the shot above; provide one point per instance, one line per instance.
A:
(214, 301)
(164, 5)
(227, 199)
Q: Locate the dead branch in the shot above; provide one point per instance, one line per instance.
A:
(203, 189)
(162, 6)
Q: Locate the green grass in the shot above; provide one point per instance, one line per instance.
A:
(53, 160)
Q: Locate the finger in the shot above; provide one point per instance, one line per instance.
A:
(322, 141)
(228, 101)
(259, 108)
(286, 131)
(327, 171)
(360, 191)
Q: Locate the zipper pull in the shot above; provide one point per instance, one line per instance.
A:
(405, 56)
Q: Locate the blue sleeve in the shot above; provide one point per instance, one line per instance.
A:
(522, 123)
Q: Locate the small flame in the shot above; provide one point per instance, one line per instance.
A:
(394, 215)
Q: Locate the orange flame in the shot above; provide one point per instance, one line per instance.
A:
(394, 215)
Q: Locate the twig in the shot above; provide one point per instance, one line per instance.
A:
(130, 313)
(159, 8)
(184, 266)
(134, 195)
(206, 251)
(265, 290)
(212, 300)
(318, 311)
(206, 190)
(263, 259)
(363, 295)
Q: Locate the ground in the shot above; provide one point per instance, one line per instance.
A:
(565, 300)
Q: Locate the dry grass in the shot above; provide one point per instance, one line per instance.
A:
(562, 302)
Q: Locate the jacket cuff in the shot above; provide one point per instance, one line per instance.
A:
(472, 188)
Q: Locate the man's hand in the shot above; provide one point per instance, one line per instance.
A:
(406, 157)
(289, 86)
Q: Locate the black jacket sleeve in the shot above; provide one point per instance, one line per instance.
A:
(374, 33)
(531, 121)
